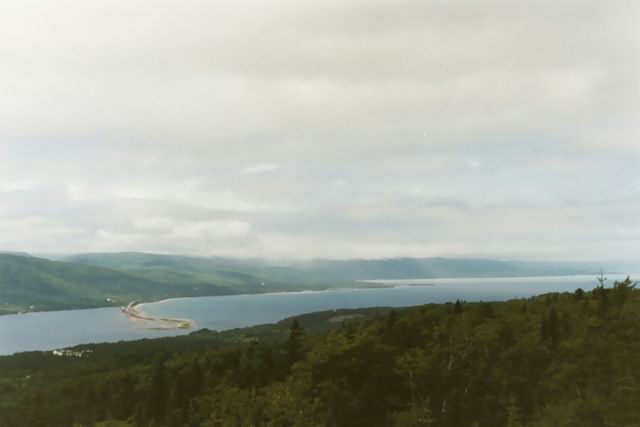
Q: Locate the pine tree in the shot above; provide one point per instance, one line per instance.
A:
(37, 411)
(294, 344)
(158, 393)
(125, 396)
(486, 311)
(549, 328)
(457, 308)
(392, 318)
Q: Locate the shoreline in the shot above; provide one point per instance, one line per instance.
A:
(140, 303)
(164, 323)
(373, 284)
(345, 288)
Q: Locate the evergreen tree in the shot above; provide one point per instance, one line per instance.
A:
(486, 311)
(429, 368)
(37, 411)
(549, 328)
(600, 293)
(392, 318)
(294, 343)
(457, 307)
(158, 394)
(124, 396)
(601, 278)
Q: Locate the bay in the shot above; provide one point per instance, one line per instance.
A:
(58, 329)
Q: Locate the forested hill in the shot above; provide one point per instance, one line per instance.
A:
(567, 359)
(331, 270)
(29, 283)
(419, 268)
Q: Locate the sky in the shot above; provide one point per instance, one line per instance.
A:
(321, 128)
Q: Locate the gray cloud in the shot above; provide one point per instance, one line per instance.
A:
(322, 128)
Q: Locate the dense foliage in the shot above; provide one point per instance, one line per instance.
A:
(324, 270)
(567, 359)
(29, 283)
(34, 284)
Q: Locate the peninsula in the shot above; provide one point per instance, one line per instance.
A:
(134, 313)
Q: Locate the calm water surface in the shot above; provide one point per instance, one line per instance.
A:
(50, 330)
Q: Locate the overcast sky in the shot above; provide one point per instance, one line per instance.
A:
(322, 128)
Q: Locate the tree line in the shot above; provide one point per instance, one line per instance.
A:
(560, 359)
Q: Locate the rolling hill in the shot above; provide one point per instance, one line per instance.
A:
(29, 283)
(325, 270)
(36, 284)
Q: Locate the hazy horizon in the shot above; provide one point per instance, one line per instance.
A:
(607, 265)
(324, 129)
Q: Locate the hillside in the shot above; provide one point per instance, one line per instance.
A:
(564, 360)
(324, 270)
(418, 268)
(36, 284)
(247, 272)
(28, 283)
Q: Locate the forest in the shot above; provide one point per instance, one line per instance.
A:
(559, 359)
(29, 283)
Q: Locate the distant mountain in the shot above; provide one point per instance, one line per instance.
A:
(418, 268)
(553, 360)
(14, 253)
(227, 271)
(28, 283)
(36, 284)
(320, 270)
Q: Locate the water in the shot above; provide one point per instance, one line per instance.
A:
(57, 329)
(50, 330)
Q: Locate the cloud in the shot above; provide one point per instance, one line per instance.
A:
(321, 128)
(261, 168)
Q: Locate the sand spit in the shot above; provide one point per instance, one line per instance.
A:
(133, 313)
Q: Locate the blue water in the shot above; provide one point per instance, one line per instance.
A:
(51, 330)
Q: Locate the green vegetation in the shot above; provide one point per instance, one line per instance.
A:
(316, 271)
(566, 359)
(35, 284)
(29, 283)
(229, 271)
(113, 279)
(420, 268)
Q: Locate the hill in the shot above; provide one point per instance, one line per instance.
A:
(247, 272)
(419, 268)
(565, 359)
(36, 284)
(324, 270)
(29, 283)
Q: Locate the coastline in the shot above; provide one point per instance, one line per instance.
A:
(139, 303)
(364, 285)
(133, 313)
(381, 286)
(369, 284)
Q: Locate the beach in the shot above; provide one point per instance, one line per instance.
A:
(134, 313)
